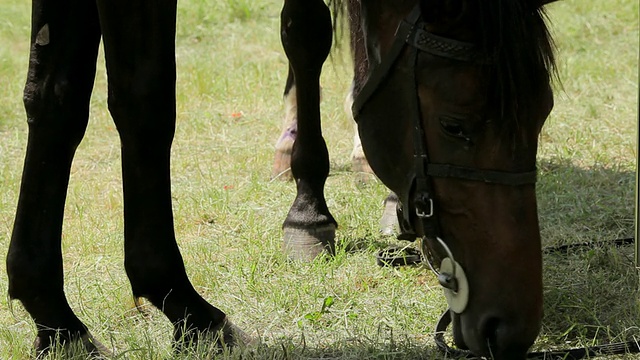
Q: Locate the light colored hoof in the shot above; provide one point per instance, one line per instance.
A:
(389, 221)
(282, 165)
(361, 165)
(364, 173)
(308, 244)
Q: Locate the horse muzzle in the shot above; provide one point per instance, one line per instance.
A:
(493, 335)
(493, 329)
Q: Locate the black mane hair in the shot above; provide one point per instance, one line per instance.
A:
(516, 36)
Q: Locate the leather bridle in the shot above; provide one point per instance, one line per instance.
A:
(412, 32)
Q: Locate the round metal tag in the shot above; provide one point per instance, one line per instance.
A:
(457, 300)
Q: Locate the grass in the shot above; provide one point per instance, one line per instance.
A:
(228, 213)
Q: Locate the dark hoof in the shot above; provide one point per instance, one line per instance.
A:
(307, 244)
(234, 336)
(214, 341)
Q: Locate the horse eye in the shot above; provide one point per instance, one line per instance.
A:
(453, 129)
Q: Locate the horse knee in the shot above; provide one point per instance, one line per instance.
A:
(57, 106)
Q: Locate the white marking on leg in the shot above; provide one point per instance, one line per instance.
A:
(290, 109)
(357, 154)
(284, 145)
(289, 123)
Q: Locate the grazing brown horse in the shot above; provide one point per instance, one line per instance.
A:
(449, 96)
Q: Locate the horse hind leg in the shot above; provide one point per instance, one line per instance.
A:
(309, 228)
(64, 47)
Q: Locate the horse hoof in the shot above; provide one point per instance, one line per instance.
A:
(282, 158)
(361, 165)
(282, 166)
(307, 244)
(234, 336)
(364, 173)
(389, 220)
(86, 344)
(212, 341)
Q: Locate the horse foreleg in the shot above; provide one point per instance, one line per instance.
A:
(309, 228)
(62, 65)
(139, 40)
(284, 145)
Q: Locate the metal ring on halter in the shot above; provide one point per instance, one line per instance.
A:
(451, 277)
(426, 250)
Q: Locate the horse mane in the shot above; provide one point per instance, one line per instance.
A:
(514, 34)
(518, 39)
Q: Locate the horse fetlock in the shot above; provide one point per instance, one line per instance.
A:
(44, 299)
(306, 244)
(155, 272)
(30, 278)
(181, 304)
(69, 344)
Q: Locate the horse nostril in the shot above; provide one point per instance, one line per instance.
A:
(490, 333)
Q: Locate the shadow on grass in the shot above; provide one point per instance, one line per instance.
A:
(578, 204)
(591, 295)
(360, 348)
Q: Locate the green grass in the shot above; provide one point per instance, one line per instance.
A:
(228, 212)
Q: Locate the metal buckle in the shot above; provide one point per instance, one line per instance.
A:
(421, 213)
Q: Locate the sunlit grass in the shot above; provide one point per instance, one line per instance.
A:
(228, 212)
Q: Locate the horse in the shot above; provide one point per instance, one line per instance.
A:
(449, 98)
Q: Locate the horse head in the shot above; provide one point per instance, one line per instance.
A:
(449, 116)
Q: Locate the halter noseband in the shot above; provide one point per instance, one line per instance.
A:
(412, 31)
